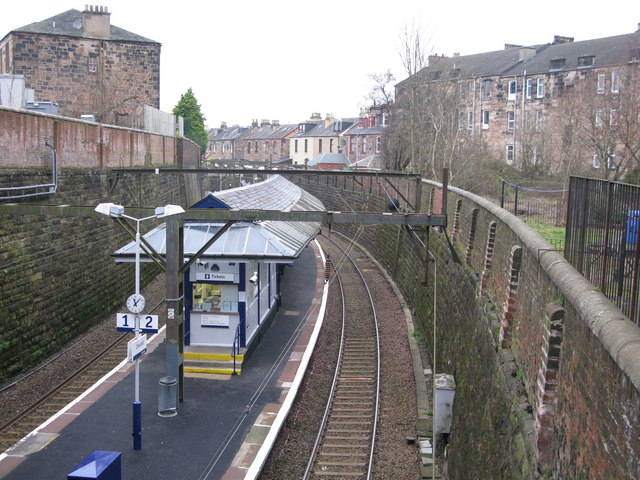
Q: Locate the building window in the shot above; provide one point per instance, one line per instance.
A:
(512, 89)
(615, 82)
(306, 145)
(510, 154)
(485, 119)
(470, 120)
(472, 89)
(364, 145)
(266, 147)
(557, 64)
(213, 147)
(274, 147)
(352, 144)
(295, 146)
(598, 119)
(540, 88)
(93, 64)
(539, 119)
(385, 119)
(486, 89)
(378, 144)
(511, 121)
(248, 147)
(613, 118)
(529, 87)
(601, 83)
(586, 61)
(319, 145)
(596, 160)
(331, 145)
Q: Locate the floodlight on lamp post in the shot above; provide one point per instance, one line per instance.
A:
(136, 302)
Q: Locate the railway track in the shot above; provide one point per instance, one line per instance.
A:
(65, 391)
(345, 442)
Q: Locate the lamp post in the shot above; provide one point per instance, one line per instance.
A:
(136, 302)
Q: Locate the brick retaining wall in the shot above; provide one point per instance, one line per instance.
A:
(547, 369)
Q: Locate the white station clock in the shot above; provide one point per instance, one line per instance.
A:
(135, 303)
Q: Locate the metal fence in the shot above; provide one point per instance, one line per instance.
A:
(536, 202)
(602, 238)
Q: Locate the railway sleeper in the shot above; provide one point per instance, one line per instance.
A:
(343, 464)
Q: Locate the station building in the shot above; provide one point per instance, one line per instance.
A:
(233, 290)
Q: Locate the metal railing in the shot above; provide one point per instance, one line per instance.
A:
(235, 348)
(602, 238)
(12, 193)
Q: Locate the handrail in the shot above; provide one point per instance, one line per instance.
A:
(50, 187)
(234, 349)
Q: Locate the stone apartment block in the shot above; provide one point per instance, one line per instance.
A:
(318, 137)
(268, 143)
(85, 64)
(519, 101)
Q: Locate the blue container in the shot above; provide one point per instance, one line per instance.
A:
(99, 465)
(633, 219)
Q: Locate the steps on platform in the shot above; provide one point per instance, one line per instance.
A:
(214, 360)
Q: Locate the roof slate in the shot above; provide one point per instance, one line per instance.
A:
(69, 24)
(269, 132)
(535, 59)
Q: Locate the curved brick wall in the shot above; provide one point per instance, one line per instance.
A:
(547, 369)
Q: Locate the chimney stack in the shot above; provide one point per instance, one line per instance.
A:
(96, 21)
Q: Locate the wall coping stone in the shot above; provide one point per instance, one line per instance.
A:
(618, 334)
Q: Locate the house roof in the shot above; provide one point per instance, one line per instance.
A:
(70, 24)
(608, 51)
(267, 240)
(330, 158)
(229, 134)
(271, 132)
(322, 130)
(355, 129)
(535, 59)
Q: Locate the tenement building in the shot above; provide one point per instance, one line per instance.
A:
(85, 64)
(545, 107)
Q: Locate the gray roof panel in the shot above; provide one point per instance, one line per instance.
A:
(69, 24)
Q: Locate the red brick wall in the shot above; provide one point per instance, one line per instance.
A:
(23, 138)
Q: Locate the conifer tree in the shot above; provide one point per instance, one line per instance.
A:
(189, 109)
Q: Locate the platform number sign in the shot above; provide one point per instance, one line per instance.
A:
(126, 322)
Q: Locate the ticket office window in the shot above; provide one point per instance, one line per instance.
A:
(210, 297)
(207, 296)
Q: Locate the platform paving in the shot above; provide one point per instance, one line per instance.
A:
(219, 426)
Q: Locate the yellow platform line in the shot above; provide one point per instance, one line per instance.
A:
(212, 356)
(220, 371)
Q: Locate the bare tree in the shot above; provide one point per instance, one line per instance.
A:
(598, 126)
(381, 94)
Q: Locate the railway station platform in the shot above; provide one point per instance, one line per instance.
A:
(220, 427)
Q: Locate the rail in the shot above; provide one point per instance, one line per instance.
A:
(50, 188)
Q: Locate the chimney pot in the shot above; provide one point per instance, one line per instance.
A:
(96, 21)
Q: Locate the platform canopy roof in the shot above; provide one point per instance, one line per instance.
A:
(276, 241)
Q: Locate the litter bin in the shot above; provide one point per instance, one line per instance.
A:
(168, 397)
(633, 218)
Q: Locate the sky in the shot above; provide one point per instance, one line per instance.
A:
(284, 59)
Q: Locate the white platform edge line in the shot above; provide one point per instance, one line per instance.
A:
(78, 399)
